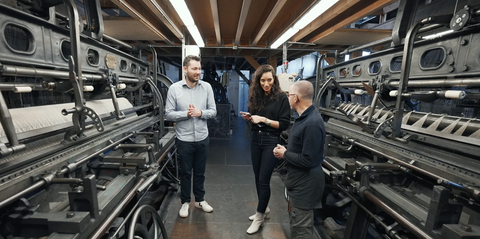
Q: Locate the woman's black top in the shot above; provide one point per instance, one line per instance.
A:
(278, 110)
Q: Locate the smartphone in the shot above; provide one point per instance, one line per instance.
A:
(245, 113)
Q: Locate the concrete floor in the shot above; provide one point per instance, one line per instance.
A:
(230, 190)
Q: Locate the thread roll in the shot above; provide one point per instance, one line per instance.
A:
(455, 94)
(22, 89)
(121, 86)
(88, 88)
(358, 92)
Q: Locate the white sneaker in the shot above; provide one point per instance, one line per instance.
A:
(184, 210)
(266, 215)
(204, 206)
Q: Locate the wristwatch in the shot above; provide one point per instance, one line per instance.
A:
(268, 122)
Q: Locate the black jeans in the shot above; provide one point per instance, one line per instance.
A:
(193, 156)
(263, 162)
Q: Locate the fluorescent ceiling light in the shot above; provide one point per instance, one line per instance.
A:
(289, 33)
(196, 35)
(187, 19)
(313, 13)
(183, 12)
(320, 7)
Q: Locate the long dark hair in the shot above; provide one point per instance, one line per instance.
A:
(256, 95)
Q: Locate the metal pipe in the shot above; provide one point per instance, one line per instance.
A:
(164, 154)
(67, 169)
(7, 123)
(439, 83)
(128, 80)
(388, 39)
(433, 176)
(74, 39)
(9, 70)
(118, 42)
(404, 75)
(301, 43)
(471, 82)
(10, 86)
(399, 218)
(385, 226)
(100, 231)
(244, 48)
(37, 185)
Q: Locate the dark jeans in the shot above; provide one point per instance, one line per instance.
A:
(301, 223)
(263, 163)
(193, 156)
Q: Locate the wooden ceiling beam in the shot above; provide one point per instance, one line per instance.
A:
(327, 16)
(241, 21)
(163, 17)
(216, 21)
(352, 18)
(278, 6)
(137, 15)
(252, 61)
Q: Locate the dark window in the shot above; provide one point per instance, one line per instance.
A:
(18, 38)
(123, 65)
(133, 68)
(391, 14)
(66, 50)
(357, 70)
(396, 64)
(374, 67)
(343, 72)
(93, 57)
(432, 59)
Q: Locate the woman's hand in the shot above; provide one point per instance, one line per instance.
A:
(246, 116)
(258, 119)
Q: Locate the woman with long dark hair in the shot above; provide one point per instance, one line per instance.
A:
(269, 115)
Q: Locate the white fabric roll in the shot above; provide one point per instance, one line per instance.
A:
(393, 93)
(32, 118)
(358, 92)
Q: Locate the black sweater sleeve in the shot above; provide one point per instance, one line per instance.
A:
(284, 113)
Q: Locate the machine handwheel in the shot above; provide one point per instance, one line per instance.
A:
(146, 224)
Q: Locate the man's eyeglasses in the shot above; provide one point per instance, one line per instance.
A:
(288, 95)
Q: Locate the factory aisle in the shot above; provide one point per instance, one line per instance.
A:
(230, 189)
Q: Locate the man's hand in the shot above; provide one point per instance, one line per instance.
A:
(193, 112)
(279, 151)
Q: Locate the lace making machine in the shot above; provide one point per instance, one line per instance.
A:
(84, 152)
(403, 135)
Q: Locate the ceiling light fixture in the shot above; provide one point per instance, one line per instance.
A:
(164, 14)
(318, 9)
(182, 10)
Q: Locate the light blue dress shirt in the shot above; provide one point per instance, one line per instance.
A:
(179, 96)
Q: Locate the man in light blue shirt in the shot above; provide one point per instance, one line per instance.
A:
(190, 103)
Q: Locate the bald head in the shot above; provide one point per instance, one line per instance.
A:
(303, 88)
